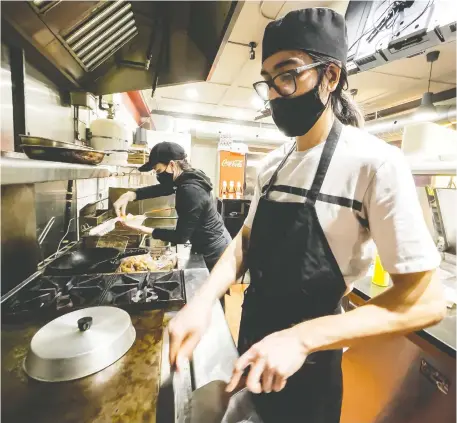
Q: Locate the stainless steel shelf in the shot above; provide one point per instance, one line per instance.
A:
(26, 171)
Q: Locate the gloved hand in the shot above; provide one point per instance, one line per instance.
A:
(120, 205)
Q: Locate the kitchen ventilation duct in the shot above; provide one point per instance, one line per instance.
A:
(106, 47)
(391, 128)
(42, 6)
(103, 33)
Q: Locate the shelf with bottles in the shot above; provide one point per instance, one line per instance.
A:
(231, 191)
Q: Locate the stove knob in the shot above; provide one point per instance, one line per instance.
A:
(84, 323)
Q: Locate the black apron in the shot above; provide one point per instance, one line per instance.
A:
(295, 277)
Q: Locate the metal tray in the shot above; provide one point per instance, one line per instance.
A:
(46, 142)
(61, 154)
(86, 223)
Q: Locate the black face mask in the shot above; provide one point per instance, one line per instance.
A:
(295, 116)
(165, 178)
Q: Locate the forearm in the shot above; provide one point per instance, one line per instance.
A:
(152, 191)
(170, 235)
(404, 308)
(229, 268)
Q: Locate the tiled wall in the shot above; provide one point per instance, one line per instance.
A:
(204, 157)
(91, 190)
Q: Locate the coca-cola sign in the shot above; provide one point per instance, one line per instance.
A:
(232, 163)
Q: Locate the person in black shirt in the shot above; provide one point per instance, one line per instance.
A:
(198, 220)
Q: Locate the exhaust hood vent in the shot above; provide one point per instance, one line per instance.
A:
(112, 46)
(42, 6)
(104, 32)
(365, 60)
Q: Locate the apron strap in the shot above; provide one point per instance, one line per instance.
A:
(276, 172)
(324, 162)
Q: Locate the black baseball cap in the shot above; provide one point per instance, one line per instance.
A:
(163, 152)
(317, 30)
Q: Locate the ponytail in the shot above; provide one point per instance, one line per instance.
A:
(344, 108)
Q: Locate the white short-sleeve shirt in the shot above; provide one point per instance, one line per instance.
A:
(369, 195)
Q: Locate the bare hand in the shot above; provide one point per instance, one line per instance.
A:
(121, 203)
(274, 359)
(187, 328)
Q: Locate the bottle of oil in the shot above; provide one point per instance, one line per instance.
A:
(231, 190)
(238, 190)
(224, 190)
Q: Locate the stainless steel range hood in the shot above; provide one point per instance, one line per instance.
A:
(117, 46)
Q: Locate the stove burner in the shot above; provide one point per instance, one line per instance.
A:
(162, 293)
(136, 279)
(87, 289)
(166, 286)
(167, 277)
(49, 296)
(147, 295)
(43, 295)
(122, 293)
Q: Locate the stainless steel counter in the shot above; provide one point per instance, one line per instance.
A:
(442, 335)
(213, 359)
(216, 354)
(27, 171)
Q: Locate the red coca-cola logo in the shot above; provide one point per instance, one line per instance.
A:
(232, 163)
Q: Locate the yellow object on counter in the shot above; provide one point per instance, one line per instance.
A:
(380, 276)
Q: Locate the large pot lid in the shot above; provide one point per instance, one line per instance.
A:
(79, 343)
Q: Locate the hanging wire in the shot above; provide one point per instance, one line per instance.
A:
(430, 76)
(66, 233)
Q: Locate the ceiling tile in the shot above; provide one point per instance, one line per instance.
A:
(251, 73)
(229, 91)
(243, 98)
(231, 61)
(204, 92)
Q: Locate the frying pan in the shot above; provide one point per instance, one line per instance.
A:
(87, 260)
(63, 154)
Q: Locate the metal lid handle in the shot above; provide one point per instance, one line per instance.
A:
(84, 323)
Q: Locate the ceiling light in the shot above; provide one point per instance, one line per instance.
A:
(257, 102)
(192, 93)
(427, 111)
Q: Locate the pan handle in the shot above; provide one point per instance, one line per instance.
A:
(132, 252)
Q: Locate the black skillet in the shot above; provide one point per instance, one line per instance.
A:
(89, 260)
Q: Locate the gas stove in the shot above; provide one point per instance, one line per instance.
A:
(50, 296)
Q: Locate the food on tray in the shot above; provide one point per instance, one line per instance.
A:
(143, 263)
(148, 263)
(132, 223)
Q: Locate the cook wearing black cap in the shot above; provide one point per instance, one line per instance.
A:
(319, 204)
(198, 220)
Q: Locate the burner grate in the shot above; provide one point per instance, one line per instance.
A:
(50, 296)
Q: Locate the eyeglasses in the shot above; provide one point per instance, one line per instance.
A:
(285, 83)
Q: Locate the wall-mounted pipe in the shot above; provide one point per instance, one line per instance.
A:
(395, 124)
